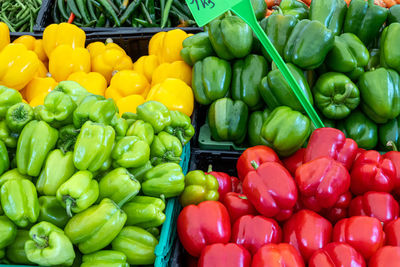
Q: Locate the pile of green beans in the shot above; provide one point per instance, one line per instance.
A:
(19, 15)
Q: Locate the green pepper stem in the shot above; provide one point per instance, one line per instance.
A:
(209, 168)
(69, 202)
(41, 242)
(348, 90)
(242, 197)
(179, 134)
(392, 145)
(278, 9)
(254, 164)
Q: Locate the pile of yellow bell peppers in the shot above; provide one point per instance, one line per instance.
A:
(34, 67)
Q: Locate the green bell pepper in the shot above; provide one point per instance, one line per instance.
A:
(228, 120)
(295, 8)
(308, 44)
(199, 187)
(143, 130)
(211, 79)
(130, 152)
(18, 115)
(78, 193)
(390, 57)
(286, 130)
(93, 146)
(276, 92)
(9, 138)
(259, 8)
(52, 211)
(16, 251)
(365, 19)
(155, 113)
(8, 232)
(11, 175)
(165, 148)
(196, 47)
(247, 74)
(145, 212)
(256, 121)
(130, 118)
(58, 109)
(330, 13)
(73, 89)
(8, 98)
(48, 246)
(95, 228)
(164, 179)
(389, 131)
(104, 258)
(118, 185)
(139, 172)
(380, 91)
(223, 33)
(20, 202)
(37, 139)
(59, 167)
(137, 244)
(336, 95)
(181, 126)
(361, 129)
(394, 14)
(67, 136)
(4, 160)
(120, 125)
(374, 60)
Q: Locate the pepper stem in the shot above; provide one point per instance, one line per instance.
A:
(41, 242)
(209, 168)
(392, 145)
(348, 90)
(69, 202)
(254, 164)
(242, 197)
(179, 134)
(277, 9)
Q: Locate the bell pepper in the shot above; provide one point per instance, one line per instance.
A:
(392, 233)
(165, 148)
(35, 142)
(196, 48)
(237, 206)
(78, 193)
(62, 34)
(8, 98)
(129, 103)
(212, 226)
(18, 66)
(372, 172)
(394, 156)
(181, 126)
(58, 109)
(73, 89)
(94, 82)
(331, 14)
(389, 132)
(211, 79)
(143, 130)
(12, 175)
(276, 92)
(130, 152)
(259, 8)
(67, 138)
(164, 179)
(277, 255)
(137, 244)
(5, 35)
(48, 245)
(177, 70)
(393, 15)
(223, 34)
(65, 60)
(4, 159)
(145, 212)
(86, 229)
(20, 202)
(87, 156)
(297, 49)
(146, 65)
(307, 232)
(363, 233)
(339, 210)
(385, 256)
(286, 130)
(256, 121)
(39, 87)
(388, 55)
(295, 8)
(294, 161)
(105, 258)
(228, 120)
(155, 113)
(98, 48)
(118, 185)
(167, 45)
(18, 116)
(33, 44)
(224, 182)
(139, 172)
(52, 211)
(119, 124)
(336, 254)
(224, 254)
(271, 189)
(364, 19)
(8, 232)
(16, 251)
(199, 187)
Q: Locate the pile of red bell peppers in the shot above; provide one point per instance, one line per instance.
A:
(330, 204)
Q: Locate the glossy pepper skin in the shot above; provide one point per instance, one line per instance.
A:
(277, 255)
(224, 182)
(256, 121)
(196, 47)
(225, 254)
(297, 9)
(385, 256)
(5, 35)
(211, 79)
(294, 161)
(286, 130)
(389, 57)
(392, 233)
(339, 210)
(105, 258)
(143, 130)
(125, 83)
(145, 212)
(86, 229)
(394, 14)
(35, 142)
(49, 246)
(58, 109)
(18, 116)
(8, 232)
(63, 33)
(307, 34)
(165, 148)
(67, 136)
(389, 131)
(363, 233)
(4, 159)
(336, 254)
(307, 231)
(199, 187)
(8, 97)
(13, 174)
(19, 201)
(155, 113)
(238, 205)
(73, 89)
(181, 126)
(271, 189)
(94, 82)
(52, 211)
(16, 251)
(331, 14)
(130, 152)
(120, 125)
(167, 45)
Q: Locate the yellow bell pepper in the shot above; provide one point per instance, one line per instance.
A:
(4, 35)
(174, 94)
(42, 71)
(97, 48)
(34, 45)
(39, 86)
(146, 65)
(126, 83)
(38, 100)
(62, 34)
(167, 46)
(129, 103)
(178, 70)
(66, 60)
(94, 82)
(18, 66)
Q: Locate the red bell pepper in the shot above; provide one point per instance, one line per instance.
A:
(363, 233)
(236, 185)
(340, 210)
(392, 233)
(238, 205)
(321, 182)
(307, 231)
(217, 255)
(372, 172)
(394, 156)
(272, 190)
(205, 224)
(336, 254)
(379, 205)
(255, 231)
(359, 152)
(388, 256)
(258, 154)
(224, 182)
(330, 142)
(277, 255)
(294, 161)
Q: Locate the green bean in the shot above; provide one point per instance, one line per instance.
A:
(165, 14)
